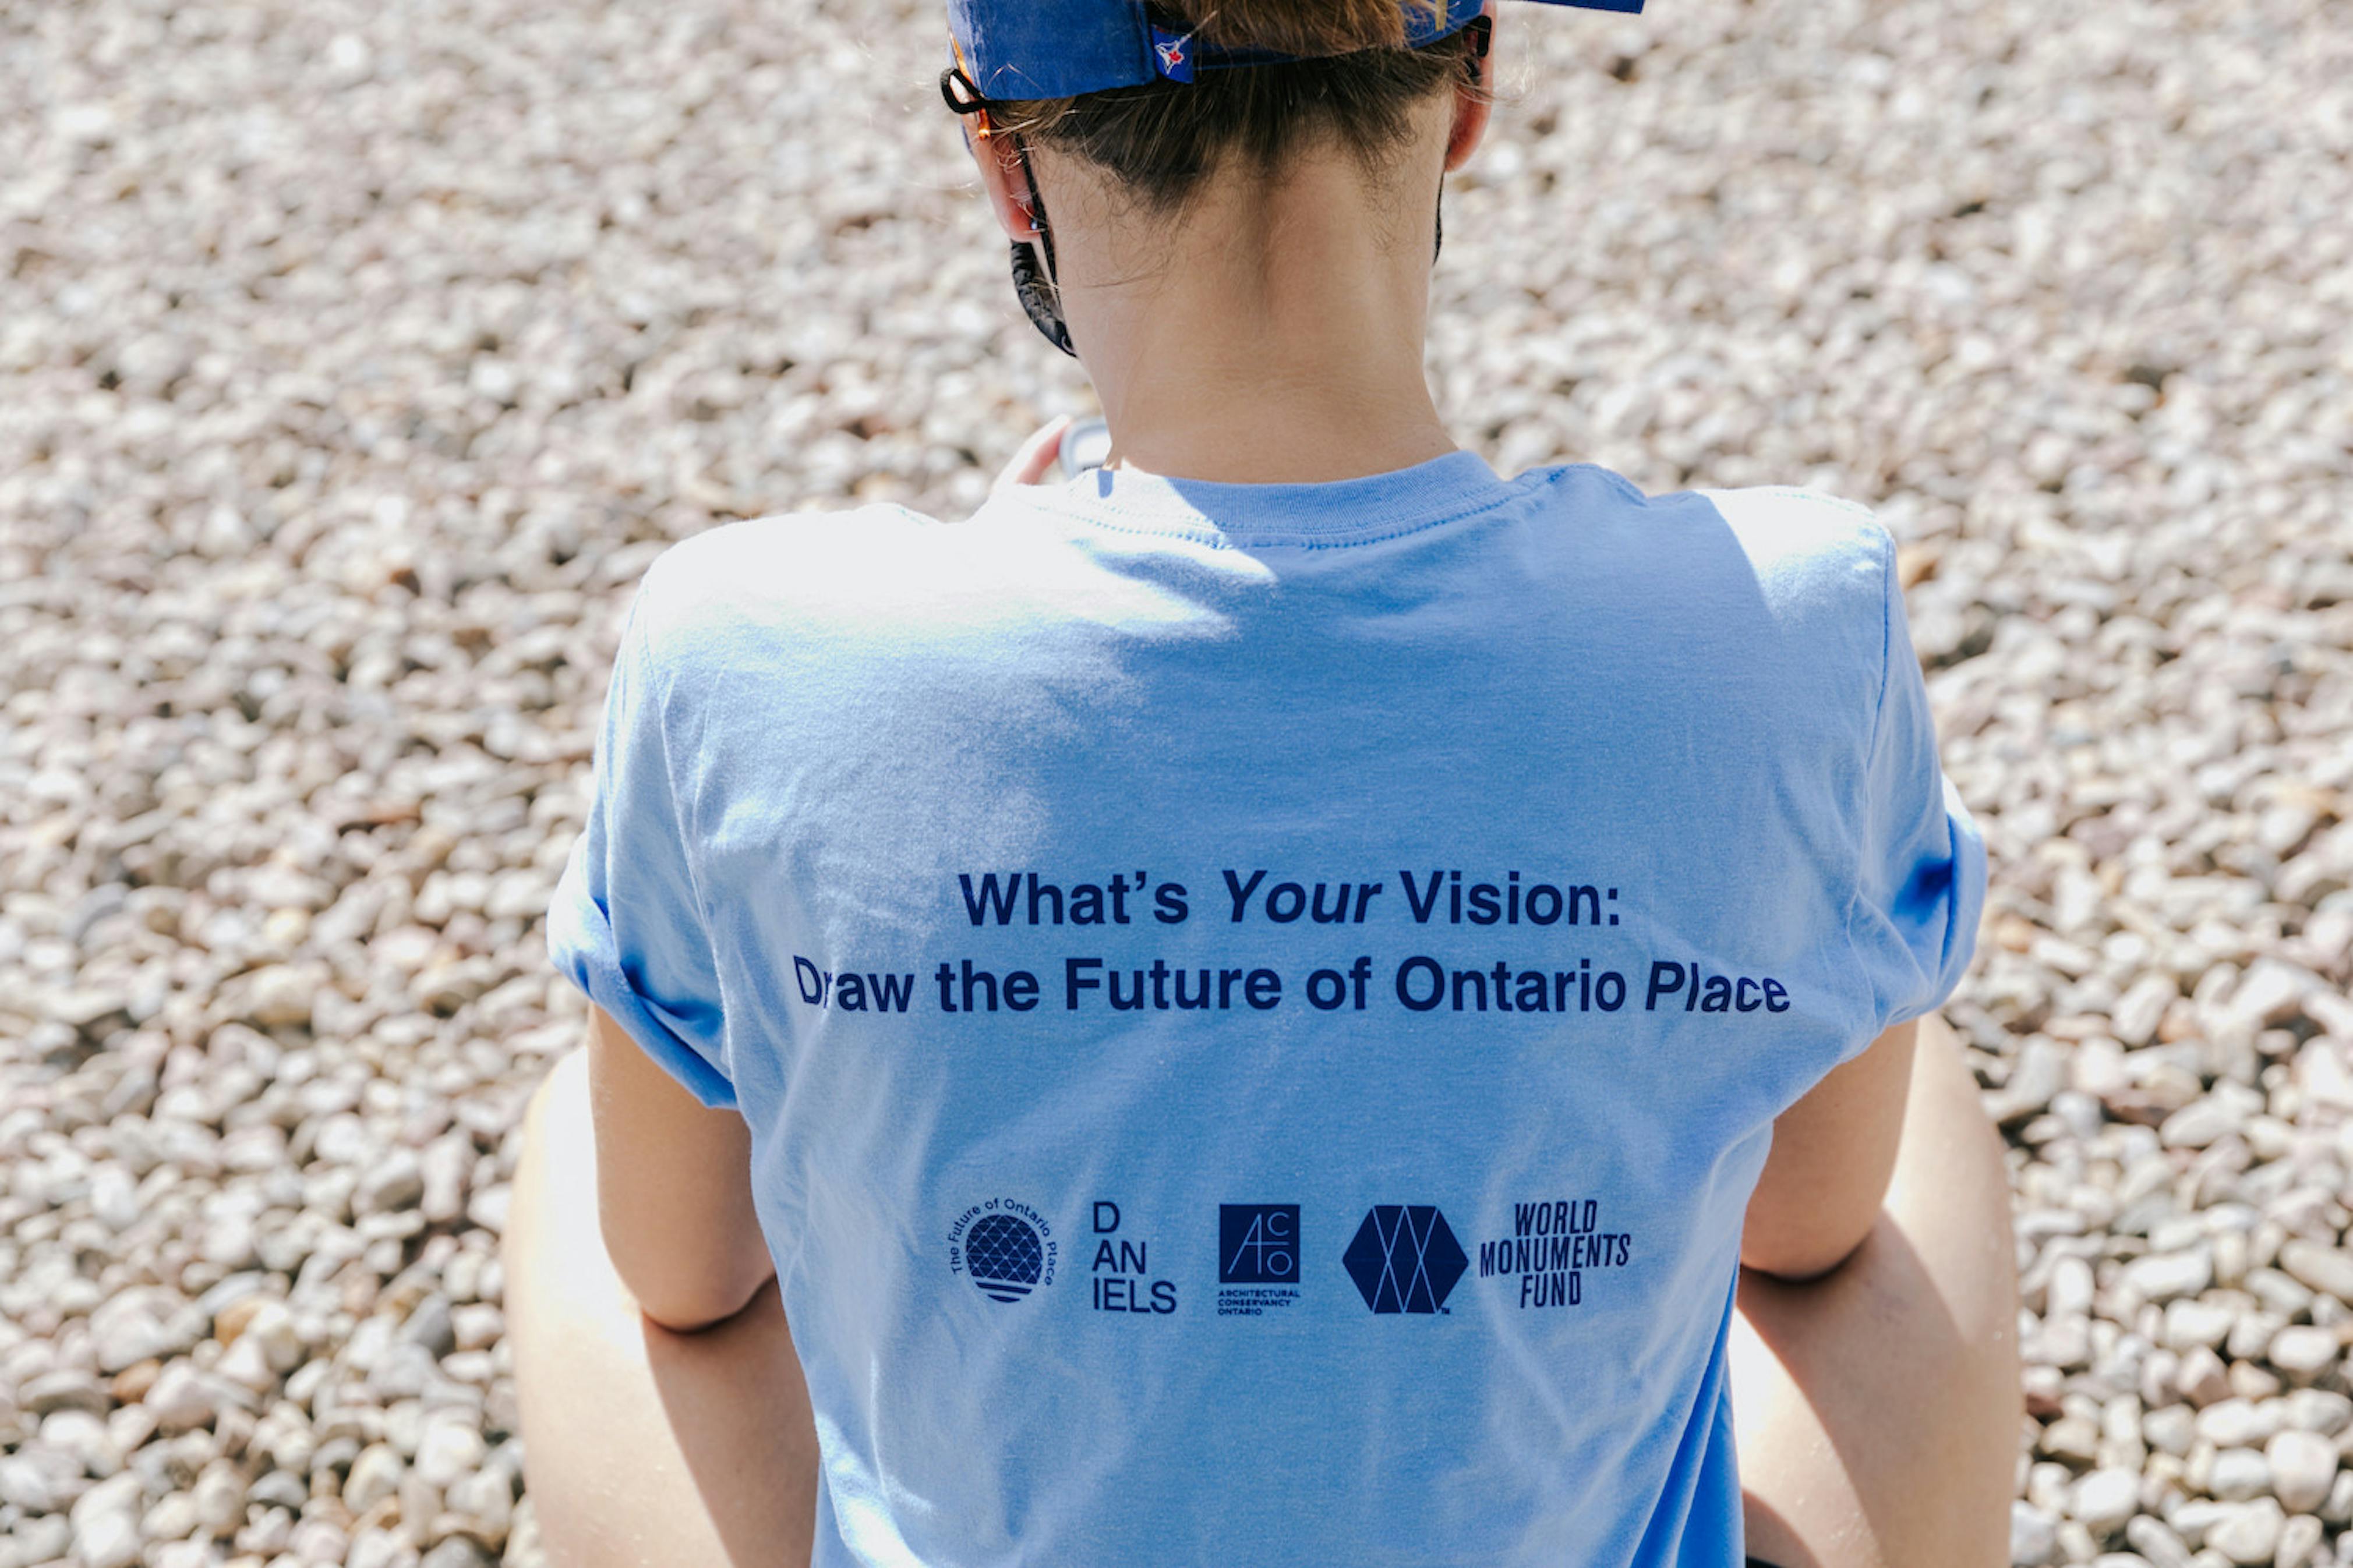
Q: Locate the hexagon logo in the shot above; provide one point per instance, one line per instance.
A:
(1405, 1258)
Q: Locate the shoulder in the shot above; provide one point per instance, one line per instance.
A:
(1820, 566)
(1810, 562)
(766, 567)
(1782, 593)
(858, 575)
(1813, 554)
(1791, 537)
(878, 585)
(1810, 549)
(1825, 570)
(725, 599)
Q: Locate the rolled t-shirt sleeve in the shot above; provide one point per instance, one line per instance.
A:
(626, 925)
(1922, 880)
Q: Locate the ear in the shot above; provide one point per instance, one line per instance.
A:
(1473, 105)
(999, 158)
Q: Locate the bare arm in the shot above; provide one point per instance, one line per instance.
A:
(673, 1188)
(1832, 1155)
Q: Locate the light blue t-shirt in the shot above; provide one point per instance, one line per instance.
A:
(1260, 1008)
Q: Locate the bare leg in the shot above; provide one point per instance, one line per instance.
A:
(1878, 1408)
(643, 1448)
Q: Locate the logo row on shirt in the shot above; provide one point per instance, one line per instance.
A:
(1401, 1258)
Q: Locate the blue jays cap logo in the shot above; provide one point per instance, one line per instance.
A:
(1174, 54)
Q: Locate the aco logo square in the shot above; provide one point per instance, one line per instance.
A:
(1258, 1244)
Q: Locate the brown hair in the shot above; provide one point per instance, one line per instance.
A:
(1354, 83)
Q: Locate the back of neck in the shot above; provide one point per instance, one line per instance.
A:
(1291, 356)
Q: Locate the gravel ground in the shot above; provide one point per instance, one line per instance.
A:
(354, 360)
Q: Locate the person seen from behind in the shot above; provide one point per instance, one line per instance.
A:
(1285, 999)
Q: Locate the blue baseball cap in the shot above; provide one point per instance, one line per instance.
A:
(1060, 48)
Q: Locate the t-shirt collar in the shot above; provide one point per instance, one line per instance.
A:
(1329, 513)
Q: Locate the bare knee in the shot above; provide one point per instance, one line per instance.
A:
(560, 1092)
(545, 1238)
(1951, 1195)
(557, 1110)
(1882, 1408)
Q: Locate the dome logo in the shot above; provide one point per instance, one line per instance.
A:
(1005, 1248)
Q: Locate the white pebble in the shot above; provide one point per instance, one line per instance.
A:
(2302, 1351)
(2033, 1536)
(2302, 1468)
(450, 1450)
(375, 1476)
(2240, 1474)
(2248, 1532)
(2103, 1500)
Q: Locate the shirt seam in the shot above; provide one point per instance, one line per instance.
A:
(1871, 754)
(674, 812)
(1842, 502)
(1216, 539)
